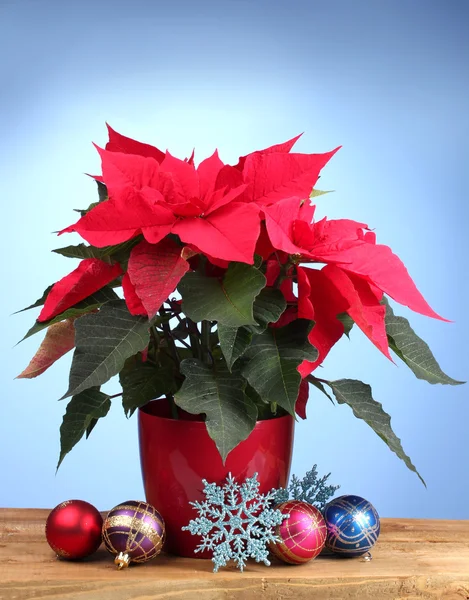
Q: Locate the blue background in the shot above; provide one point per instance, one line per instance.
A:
(386, 79)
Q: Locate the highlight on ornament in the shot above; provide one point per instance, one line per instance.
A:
(301, 536)
(353, 526)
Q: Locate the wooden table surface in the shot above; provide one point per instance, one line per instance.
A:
(412, 559)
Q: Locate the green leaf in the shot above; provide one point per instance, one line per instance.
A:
(316, 193)
(264, 409)
(38, 302)
(102, 191)
(142, 382)
(82, 412)
(234, 341)
(413, 350)
(272, 361)
(84, 211)
(319, 385)
(229, 301)
(258, 260)
(93, 302)
(83, 251)
(268, 308)
(219, 394)
(104, 341)
(90, 427)
(358, 396)
(347, 322)
(181, 331)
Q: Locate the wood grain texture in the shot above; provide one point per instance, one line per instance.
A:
(414, 559)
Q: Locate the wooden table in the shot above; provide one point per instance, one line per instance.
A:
(413, 559)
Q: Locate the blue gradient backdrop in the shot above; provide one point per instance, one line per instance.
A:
(387, 79)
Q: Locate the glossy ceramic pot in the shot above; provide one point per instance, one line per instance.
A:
(176, 455)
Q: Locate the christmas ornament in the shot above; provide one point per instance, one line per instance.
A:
(236, 522)
(310, 489)
(73, 529)
(302, 535)
(352, 525)
(134, 531)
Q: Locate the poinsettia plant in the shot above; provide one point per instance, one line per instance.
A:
(216, 287)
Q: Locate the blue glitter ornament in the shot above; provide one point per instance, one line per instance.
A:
(352, 525)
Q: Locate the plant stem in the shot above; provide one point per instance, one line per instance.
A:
(155, 340)
(185, 344)
(205, 339)
(172, 406)
(115, 396)
(169, 339)
(194, 337)
(283, 272)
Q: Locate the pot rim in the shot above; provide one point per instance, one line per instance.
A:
(142, 411)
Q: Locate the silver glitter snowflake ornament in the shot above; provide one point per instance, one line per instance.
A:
(236, 522)
(311, 489)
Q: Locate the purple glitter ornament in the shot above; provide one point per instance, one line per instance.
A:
(134, 531)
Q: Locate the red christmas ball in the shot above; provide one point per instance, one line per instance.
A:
(73, 529)
(302, 535)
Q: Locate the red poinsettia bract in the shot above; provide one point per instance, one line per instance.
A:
(228, 213)
(90, 276)
(215, 207)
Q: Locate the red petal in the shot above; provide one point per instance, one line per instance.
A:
(229, 233)
(264, 246)
(60, 339)
(328, 303)
(184, 181)
(284, 147)
(364, 308)
(122, 218)
(272, 271)
(120, 143)
(128, 170)
(305, 306)
(229, 177)
(273, 177)
(155, 270)
(90, 276)
(330, 241)
(134, 304)
(96, 177)
(190, 160)
(303, 395)
(385, 270)
(306, 212)
(287, 290)
(208, 171)
(221, 197)
(278, 219)
(289, 315)
(302, 235)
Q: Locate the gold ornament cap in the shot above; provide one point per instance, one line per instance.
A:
(122, 560)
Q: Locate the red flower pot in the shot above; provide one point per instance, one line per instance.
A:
(176, 455)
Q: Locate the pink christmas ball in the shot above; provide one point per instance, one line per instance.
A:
(302, 535)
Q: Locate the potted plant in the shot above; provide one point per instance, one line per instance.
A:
(216, 290)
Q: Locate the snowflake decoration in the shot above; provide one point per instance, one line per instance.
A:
(309, 489)
(236, 522)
